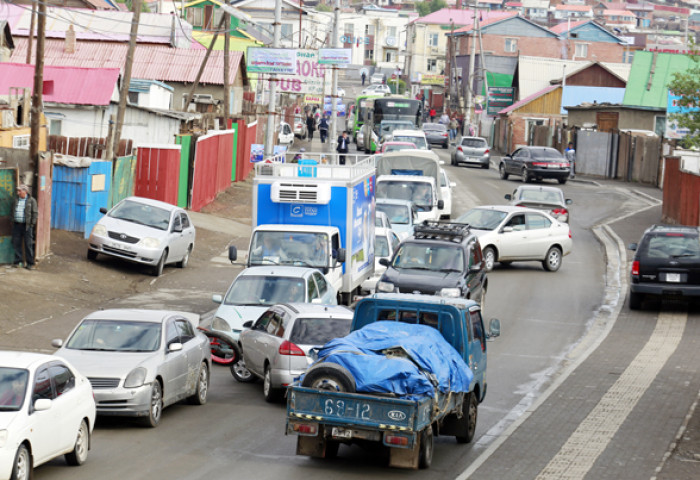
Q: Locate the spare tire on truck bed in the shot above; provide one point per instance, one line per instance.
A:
(330, 377)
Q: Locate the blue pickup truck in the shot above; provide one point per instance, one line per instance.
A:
(413, 367)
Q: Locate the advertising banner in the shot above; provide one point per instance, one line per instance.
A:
(271, 60)
(335, 56)
(674, 107)
(427, 79)
(256, 152)
(309, 76)
(499, 98)
(362, 248)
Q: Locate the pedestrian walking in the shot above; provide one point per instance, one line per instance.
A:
(310, 126)
(343, 147)
(453, 128)
(570, 154)
(24, 215)
(432, 114)
(363, 78)
(444, 119)
(363, 75)
(323, 129)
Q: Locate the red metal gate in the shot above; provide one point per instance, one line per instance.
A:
(158, 172)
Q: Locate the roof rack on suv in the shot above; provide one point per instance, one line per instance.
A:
(444, 230)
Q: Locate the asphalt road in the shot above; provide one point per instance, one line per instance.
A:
(543, 316)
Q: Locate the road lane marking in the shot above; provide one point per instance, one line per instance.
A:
(577, 456)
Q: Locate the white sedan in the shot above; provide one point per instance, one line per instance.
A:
(513, 234)
(446, 192)
(46, 410)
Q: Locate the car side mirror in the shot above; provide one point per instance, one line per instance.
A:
(174, 347)
(453, 184)
(568, 201)
(507, 229)
(248, 324)
(494, 328)
(177, 228)
(340, 255)
(232, 253)
(57, 343)
(632, 246)
(103, 210)
(384, 262)
(508, 196)
(42, 404)
(217, 298)
(441, 204)
(476, 268)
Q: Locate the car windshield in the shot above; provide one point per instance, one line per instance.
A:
(671, 244)
(398, 214)
(289, 248)
(423, 257)
(265, 290)
(400, 146)
(13, 386)
(381, 246)
(419, 142)
(420, 193)
(142, 214)
(116, 336)
(319, 331)
(389, 126)
(474, 142)
(540, 196)
(482, 219)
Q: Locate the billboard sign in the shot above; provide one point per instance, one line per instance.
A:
(271, 60)
(335, 56)
(310, 76)
(499, 98)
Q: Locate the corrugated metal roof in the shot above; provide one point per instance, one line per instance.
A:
(665, 66)
(528, 99)
(489, 19)
(107, 25)
(574, 95)
(151, 62)
(71, 85)
(574, 8)
(566, 26)
(446, 16)
(535, 73)
(618, 13)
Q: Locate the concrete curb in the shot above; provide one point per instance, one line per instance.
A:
(601, 325)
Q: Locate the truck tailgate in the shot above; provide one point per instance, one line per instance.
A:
(360, 410)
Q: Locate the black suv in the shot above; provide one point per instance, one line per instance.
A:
(666, 262)
(441, 258)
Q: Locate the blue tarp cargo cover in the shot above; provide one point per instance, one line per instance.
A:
(433, 363)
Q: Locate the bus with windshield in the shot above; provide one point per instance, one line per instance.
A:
(357, 117)
(386, 114)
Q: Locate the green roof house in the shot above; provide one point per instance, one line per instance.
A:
(651, 73)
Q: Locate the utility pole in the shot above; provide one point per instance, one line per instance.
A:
(37, 106)
(126, 81)
(31, 33)
(334, 82)
(190, 94)
(482, 61)
(470, 76)
(272, 110)
(407, 59)
(227, 80)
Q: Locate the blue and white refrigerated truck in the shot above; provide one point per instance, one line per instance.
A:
(319, 216)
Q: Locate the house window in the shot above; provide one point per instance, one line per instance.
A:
(194, 17)
(133, 98)
(433, 39)
(627, 56)
(432, 65)
(659, 125)
(369, 54)
(21, 141)
(286, 31)
(349, 30)
(391, 31)
(369, 30)
(55, 127)
(581, 50)
(511, 45)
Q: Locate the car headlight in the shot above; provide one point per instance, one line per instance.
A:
(150, 242)
(220, 324)
(99, 230)
(386, 287)
(451, 292)
(135, 378)
(3, 438)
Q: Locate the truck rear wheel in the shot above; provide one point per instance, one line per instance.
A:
(470, 409)
(425, 452)
(330, 377)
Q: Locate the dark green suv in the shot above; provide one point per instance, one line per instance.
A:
(441, 258)
(666, 263)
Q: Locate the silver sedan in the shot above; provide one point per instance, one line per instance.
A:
(140, 361)
(144, 231)
(471, 150)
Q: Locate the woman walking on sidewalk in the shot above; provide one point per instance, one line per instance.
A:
(323, 129)
(310, 126)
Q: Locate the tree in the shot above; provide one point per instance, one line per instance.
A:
(687, 86)
(430, 6)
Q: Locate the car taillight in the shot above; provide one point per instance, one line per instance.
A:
(540, 164)
(444, 134)
(396, 440)
(635, 267)
(288, 348)
(305, 428)
(559, 211)
(487, 151)
(460, 149)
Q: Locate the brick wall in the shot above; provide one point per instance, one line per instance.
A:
(544, 47)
